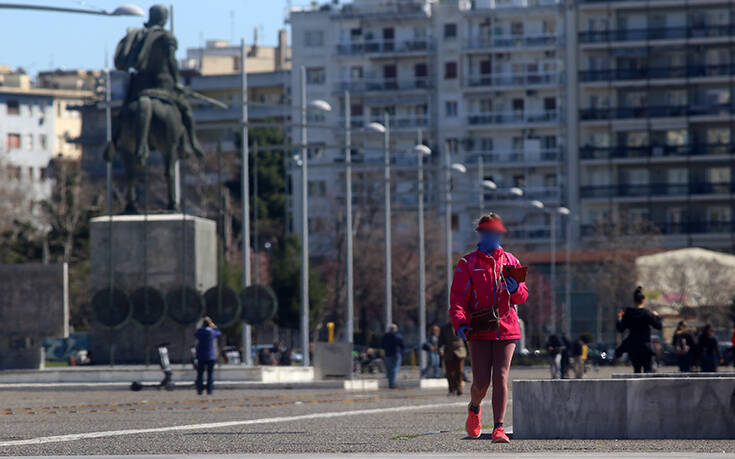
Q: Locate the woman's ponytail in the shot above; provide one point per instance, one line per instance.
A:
(638, 296)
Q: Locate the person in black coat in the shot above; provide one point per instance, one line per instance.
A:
(638, 320)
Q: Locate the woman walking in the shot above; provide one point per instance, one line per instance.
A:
(482, 310)
(639, 321)
(683, 342)
(709, 350)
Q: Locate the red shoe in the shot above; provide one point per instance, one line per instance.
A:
(474, 423)
(499, 436)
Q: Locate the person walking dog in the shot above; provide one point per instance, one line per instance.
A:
(206, 336)
(488, 284)
(454, 351)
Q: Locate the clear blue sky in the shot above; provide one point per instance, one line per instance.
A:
(38, 40)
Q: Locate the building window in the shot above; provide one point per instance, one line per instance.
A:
(317, 188)
(30, 173)
(450, 107)
(316, 75)
(13, 107)
(450, 31)
(14, 172)
(13, 141)
(45, 173)
(314, 38)
(28, 142)
(450, 70)
(42, 141)
(455, 222)
(452, 145)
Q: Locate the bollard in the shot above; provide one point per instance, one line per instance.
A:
(330, 330)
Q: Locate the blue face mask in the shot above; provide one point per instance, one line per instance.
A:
(489, 241)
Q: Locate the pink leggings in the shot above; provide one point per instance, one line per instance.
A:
(491, 362)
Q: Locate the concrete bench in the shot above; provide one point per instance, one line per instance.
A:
(630, 408)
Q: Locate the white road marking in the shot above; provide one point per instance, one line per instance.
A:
(217, 425)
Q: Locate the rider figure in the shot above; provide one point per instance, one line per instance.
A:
(151, 52)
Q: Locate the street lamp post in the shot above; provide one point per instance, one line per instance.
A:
(304, 322)
(245, 153)
(348, 226)
(304, 228)
(385, 130)
(420, 151)
(552, 291)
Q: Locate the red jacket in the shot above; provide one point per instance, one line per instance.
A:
(473, 288)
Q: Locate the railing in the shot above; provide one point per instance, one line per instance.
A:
(655, 189)
(539, 192)
(691, 71)
(503, 4)
(511, 41)
(512, 79)
(385, 46)
(519, 156)
(663, 111)
(385, 85)
(668, 228)
(529, 232)
(654, 151)
(396, 122)
(656, 33)
(543, 116)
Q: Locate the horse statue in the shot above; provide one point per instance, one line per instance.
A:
(155, 113)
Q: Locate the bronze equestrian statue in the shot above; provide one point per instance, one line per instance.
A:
(155, 113)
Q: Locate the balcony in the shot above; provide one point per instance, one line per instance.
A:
(396, 122)
(655, 189)
(508, 4)
(513, 79)
(518, 157)
(657, 33)
(692, 71)
(419, 45)
(511, 41)
(661, 111)
(534, 232)
(516, 117)
(379, 85)
(655, 151)
(547, 193)
(669, 228)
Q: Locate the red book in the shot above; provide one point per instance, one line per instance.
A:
(519, 273)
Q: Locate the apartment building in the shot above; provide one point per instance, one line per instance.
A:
(480, 79)
(655, 117)
(220, 57)
(37, 124)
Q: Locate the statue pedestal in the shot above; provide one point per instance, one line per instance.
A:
(162, 251)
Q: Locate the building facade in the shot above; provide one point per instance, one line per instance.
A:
(477, 79)
(620, 110)
(655, 118)
(37, 125)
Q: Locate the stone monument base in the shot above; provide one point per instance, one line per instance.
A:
(632, 408)
(164, 252)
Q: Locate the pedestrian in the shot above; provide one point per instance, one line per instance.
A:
(431, 346)
(578, 357)
(482, 308)
(206, 337)
(639, 321)
(566, 348)
(683, 342)
(454, 351)
(709, 350)
(393, 347)
(553, 350)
